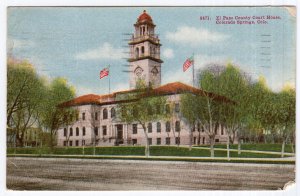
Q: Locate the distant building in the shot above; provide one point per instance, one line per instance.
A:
(97, 123)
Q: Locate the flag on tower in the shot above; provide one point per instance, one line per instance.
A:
(104, 72)
(188, 62)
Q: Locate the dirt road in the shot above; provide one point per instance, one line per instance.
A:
(85, 174)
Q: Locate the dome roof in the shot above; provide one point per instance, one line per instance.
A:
(144, 17)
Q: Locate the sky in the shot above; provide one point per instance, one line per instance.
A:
(77, 42)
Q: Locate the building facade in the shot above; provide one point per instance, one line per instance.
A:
(97, 122)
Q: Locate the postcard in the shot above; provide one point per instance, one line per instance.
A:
(151, 98)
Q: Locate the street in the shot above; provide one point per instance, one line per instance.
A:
(100, 174)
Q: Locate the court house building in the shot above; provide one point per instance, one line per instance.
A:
(97, 122)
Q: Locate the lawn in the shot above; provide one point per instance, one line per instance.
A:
(136, 150)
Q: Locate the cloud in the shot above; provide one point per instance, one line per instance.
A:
(19, 43)
(194, 36)
(168, 53)
(106, 51)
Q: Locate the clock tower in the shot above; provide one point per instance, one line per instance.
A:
(144, 60)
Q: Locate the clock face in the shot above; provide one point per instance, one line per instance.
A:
(138, 71)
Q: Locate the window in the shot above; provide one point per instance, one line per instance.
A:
(222, 130)
(77, 131)
(70, 143)
(65, 131)
(198, 127)
(142, 50)
(168, 126)
(96, 131)
(65, 143)
(168, 109)
(83, 130)
(96, 115)
(149, 127)
(168, 141)
(203, 140)
(105, 113)
(104, 130)
(134, 141)
(217, 140)
(83, 116)
(158, 141)
(177, 108)
(71, 131)
(158, 127)
(177, 140)
(83, 142)
(77, 143)
(112, 113)
(137, 52)
(195, 140)
(77, 116)
(150, 141)
(134, 128)
(177, 126)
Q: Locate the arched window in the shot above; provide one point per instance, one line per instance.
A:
(77, 131)
(168, 126)
(149, 127)
(71, 131)
(105, 115)
(158, 127)
(137, 51)
(177, 126)
(112, 113)
(83, 131)
(142, 50)
(65, 131)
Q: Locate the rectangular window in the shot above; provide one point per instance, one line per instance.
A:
(65, 143)
(70, 143)
(83, 116)
(158, 141)
(77, 131)
(168, 141)
(134, 141)
(96, 131)
(134, 128)
(195, 140)
(83, 142)
(177, 107)
(77, 143)
(71, 132)
(198, 127)
(177, 126)
(168, 126)
(222, 130)
(104, 130)
(150, 141)
(177, 140)
(96, 115)
(217, 140)
(65, 132)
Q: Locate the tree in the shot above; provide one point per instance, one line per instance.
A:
(55, 115)
(25, 96)
(142, 106)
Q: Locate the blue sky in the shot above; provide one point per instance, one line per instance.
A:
(76, 43)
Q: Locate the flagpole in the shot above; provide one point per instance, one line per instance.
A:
(109, 79)
(193, 70)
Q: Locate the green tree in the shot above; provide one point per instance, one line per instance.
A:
(142, 106)
(25, 95)
(54, 115)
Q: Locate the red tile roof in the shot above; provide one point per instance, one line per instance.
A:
(167, 89)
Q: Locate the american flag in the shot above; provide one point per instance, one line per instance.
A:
(188, 62)
(104, 72)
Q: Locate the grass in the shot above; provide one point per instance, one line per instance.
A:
(258, 147)
(136, 150)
